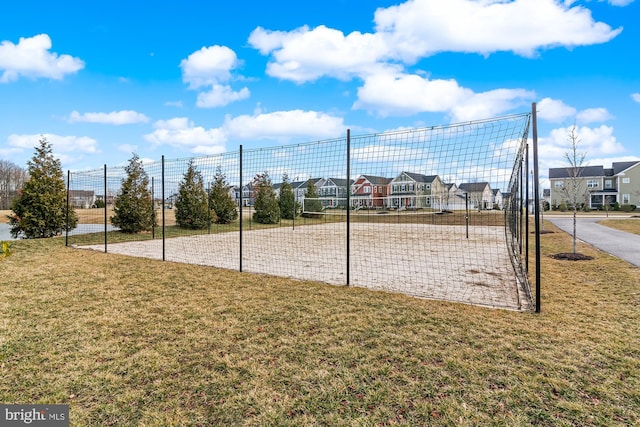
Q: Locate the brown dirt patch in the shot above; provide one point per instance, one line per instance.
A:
(570, 256)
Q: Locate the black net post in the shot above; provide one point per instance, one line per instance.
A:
(536, 195)
(105, 208)
(163, 213)
(348, 184)
(241, 210)
(66, 235)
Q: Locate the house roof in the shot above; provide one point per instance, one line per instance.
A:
(619, 167)
(556, 173)
(450, 185)
(418, 177)
(496, 191)
(340, 182)
(305, 184)
(474, 187)
(377, 180)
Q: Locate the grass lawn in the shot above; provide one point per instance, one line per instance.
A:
(630, 225)
(132, 341)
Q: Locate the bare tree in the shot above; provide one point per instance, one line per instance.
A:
(12, 177)
(573, 189)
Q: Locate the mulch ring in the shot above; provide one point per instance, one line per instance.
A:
(570, 256)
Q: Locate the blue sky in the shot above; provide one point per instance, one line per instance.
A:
(104, 79)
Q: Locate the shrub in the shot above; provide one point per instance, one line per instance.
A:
(192, 206)
(267, 210)
(220, 201)
(133, 206)
(40, 210)
(628, 208)
(287, 201)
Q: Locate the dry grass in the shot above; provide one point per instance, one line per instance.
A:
(630, 225)
(131, 341)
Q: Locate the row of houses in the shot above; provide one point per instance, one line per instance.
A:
(597, 186)
(408, 190)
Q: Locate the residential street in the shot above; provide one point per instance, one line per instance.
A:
(618, 243)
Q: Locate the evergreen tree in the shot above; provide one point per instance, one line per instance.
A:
(40, 209)
(192, 207)
(287, 201)
(133, 206)
(220, 201)
(267, 210)
(311, 203)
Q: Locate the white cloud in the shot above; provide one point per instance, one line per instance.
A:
(406, 94)
(619, 2)
(122, 117)
(220, 95)
(593, 115)
(31, 58)
(417, 29)
(211, 67)
(597, 141)
(553, 110)
(306, 55)
(420, 28)
(490, 104)
(173, 104)
(68, 149)
(636, 97)
(58, 143)
(282, 125)
(180, 132)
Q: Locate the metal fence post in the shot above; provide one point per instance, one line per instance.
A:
(163, 215)
(348, 203)
(241, 212)
(66, 234)
(105, 208)
(536, 195)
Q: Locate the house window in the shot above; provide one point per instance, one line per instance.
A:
(626, 199)
(403, 188)
(395, 188)
(558, 184)
(593, 183)
(428, 186)
(410, 187)
(626, 180)
(367, 189)
(608, 183)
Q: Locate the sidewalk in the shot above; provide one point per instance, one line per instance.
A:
(618, 243)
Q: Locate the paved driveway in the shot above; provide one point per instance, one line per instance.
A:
(618, 243)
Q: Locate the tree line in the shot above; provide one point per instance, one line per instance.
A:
(12, 177)
(39, 206)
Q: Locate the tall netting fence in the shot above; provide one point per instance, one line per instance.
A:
(434, 212)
